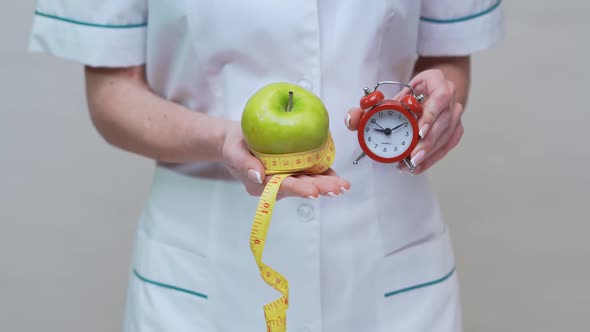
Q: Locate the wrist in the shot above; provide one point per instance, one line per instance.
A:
(227, 128)
(208, 137)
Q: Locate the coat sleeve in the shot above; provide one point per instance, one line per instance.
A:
(99, 33)
(459, 27)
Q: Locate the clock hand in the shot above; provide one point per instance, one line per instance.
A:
(386, 131)
(375, 122)
(399, 126)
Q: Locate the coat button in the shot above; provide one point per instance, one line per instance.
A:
(305, 212)
(305, 84)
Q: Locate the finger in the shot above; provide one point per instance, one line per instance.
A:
(435, 157)
(440, 94)
(329, 172)
(352, 118)
(239, 160)
(254, 189)
(426, 146)
(325, 185)
(439, 136)
(343, 183)
(446, 135)
(313, 185)
(402, 93)
(451, 138)
(330, 185)
(295, 187)
(443, 140)
(250, 166)
(433, 107)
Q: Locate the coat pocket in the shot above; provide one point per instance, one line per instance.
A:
(406, 208)
(178, 211)
(169, 289)
(417, 288)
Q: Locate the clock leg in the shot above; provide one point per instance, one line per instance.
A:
(356, 161)
(409, 164)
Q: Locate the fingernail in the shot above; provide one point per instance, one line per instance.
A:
(344, 190)
(424, 131)
(331, 194)
(254, 176)
(418, 158)
(347, 120)
(311, 197)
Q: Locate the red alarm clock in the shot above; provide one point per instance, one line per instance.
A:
(388, 129)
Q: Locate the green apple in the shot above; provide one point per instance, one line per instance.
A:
(284, 118)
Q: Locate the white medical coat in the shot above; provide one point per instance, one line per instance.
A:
(379, 258)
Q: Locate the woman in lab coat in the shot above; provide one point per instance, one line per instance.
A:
(364, 249)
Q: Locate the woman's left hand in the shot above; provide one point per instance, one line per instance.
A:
(439, 126)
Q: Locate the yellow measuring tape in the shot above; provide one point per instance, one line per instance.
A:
(282, 166)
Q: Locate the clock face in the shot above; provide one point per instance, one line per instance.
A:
(388, 133)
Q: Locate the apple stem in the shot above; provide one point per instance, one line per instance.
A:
(290, 104)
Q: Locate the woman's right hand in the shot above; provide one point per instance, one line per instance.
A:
(248, 169)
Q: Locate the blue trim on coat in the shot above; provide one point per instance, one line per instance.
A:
(89, 24)
(464, 18)
(156, 283)
(426, 284)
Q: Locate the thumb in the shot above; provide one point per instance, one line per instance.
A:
(353, 117)
(252, 167)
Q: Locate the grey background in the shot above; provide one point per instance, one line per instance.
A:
(515, 190)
